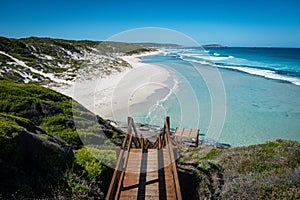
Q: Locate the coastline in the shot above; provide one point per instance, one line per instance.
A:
(115, 96)
(140, 92)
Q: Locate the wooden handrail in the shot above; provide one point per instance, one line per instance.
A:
(171, 153)
(114, 178)
(120, 184)
(120, 167)
(116, 174)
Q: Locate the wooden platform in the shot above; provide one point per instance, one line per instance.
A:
(187, 135)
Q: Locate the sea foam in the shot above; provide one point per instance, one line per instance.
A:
(265, 73)
(161, 101)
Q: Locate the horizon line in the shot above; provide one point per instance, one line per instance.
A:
(144, 42)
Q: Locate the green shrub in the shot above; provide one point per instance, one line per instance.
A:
(279, 192)
(89, 163)
(263, 171)
(92, 161)
(9, 131)
(90, 174)
(58, 126)
(44, 107)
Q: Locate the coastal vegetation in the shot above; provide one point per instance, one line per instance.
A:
(264, 171)
(55, 62)
(41, 150)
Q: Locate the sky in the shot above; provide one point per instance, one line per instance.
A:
(233, 22)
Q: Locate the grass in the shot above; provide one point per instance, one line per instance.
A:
(42, 106)
(57, 114)
(265, 171)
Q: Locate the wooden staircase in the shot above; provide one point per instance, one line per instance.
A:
(145, 169)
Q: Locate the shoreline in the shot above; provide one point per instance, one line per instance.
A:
(115, 96)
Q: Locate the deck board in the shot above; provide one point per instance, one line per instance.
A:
(187, 135)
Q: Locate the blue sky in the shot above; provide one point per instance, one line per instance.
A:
(233, 23)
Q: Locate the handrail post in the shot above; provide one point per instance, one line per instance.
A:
(129, 122)
(131, 126)
(168, 125)
(168, 122)
(159, 141)
(134, 128)
(142, 142)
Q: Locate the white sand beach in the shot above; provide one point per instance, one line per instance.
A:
(112, 97)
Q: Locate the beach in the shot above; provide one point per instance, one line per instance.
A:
(115, 96)
(169, 84)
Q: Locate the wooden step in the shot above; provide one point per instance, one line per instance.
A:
(143, 179)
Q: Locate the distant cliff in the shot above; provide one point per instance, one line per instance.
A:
(213, 46)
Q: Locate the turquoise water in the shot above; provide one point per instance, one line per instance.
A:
(239, 96)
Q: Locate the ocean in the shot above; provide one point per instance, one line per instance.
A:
(238, 96)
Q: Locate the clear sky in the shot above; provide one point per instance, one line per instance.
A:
(232, 23)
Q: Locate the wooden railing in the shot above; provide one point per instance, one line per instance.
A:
(169, 147)
(118, 176)
(131, 138)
